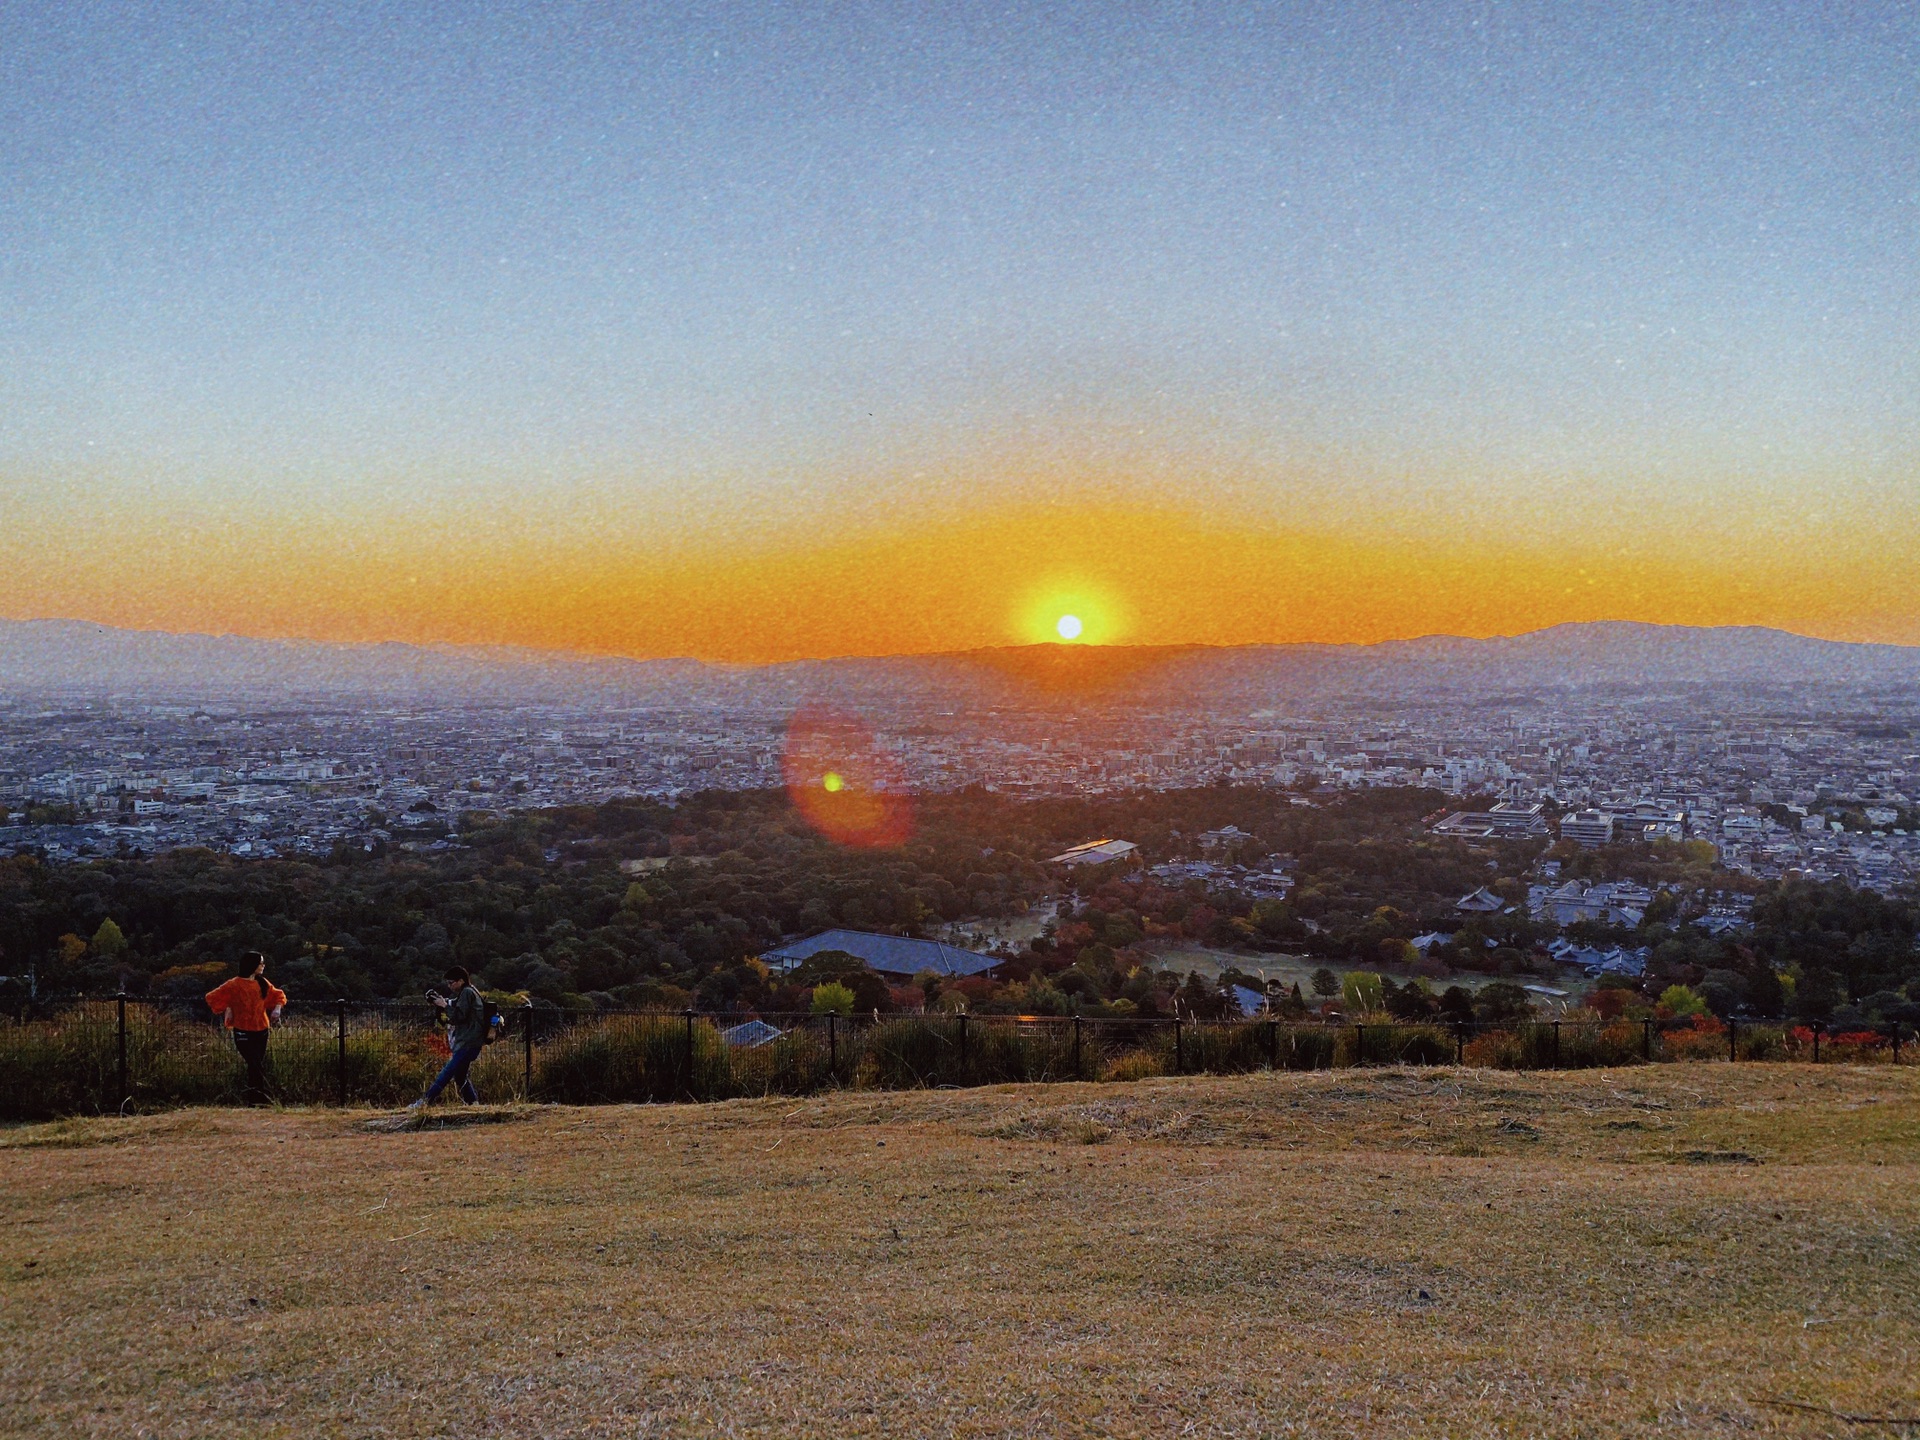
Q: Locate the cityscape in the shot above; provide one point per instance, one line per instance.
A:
(1826, 791)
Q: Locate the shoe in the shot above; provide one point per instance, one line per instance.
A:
(418, 1105)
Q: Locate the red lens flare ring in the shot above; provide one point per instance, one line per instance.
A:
(843, 782)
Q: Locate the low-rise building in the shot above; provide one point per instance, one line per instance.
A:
(1096, 852)
(896, 955)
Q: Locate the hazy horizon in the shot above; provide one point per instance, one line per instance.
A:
(62, 656)
(1018, 644)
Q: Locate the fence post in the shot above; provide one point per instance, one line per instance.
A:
(963, 1044)
(1459, 1042)
(1896, 1042)
(1817, 1028)
(1733, 1040)
(688, 1017)
(126, 1092)
(1273, 1044)
(341, 1005)
(526, 1038)
(833, 1045)
(1179, 1049)
(1556, 1045)
(1646, 1040)
(1359, 1044)
(1076, 1047)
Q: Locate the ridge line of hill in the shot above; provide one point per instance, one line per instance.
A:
(76, 656)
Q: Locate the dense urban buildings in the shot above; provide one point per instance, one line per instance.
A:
(1821, 784)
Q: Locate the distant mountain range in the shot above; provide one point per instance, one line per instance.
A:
(76, 658)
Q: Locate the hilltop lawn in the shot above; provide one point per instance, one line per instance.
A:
(1692, 1249)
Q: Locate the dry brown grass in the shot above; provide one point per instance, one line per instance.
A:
(1439, 1252)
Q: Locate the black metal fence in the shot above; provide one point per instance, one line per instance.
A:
(128, 1053)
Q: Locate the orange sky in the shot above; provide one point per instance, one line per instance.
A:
(997, 573)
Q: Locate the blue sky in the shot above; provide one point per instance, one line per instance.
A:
(679, 267)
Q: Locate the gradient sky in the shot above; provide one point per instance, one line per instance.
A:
(772, 330)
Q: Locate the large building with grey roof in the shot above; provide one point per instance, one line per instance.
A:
(884, 954)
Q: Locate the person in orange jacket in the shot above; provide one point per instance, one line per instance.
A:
(248, 1004)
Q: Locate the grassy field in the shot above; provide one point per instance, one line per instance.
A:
(1678, 1249)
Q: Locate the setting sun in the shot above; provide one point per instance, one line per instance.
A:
(1077, 609)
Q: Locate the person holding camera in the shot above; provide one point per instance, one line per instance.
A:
(247, 1005)
(468, 1025)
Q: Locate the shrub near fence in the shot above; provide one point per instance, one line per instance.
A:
(1214, 1049)
(84, 1057)
(913, 1052)
(66, 1065)
(1395, 1045)
(637, 1058)
(1546, 1046)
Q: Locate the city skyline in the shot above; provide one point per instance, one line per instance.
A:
(779, 333)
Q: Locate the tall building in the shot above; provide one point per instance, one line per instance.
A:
(1587, 828)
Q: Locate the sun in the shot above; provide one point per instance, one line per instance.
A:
(1069, 611)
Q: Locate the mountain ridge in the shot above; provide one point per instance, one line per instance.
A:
(78, 657)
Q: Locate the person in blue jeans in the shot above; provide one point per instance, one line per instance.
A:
(467, 1024)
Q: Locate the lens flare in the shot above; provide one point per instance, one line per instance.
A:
(842, 782)
(1068, 627)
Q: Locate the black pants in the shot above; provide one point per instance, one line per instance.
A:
(252, 1045)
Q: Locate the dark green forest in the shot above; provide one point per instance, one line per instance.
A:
(552, 904)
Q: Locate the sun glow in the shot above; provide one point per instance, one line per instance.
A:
(1069, 612)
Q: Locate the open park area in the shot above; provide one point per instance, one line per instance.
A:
(1678, 1249)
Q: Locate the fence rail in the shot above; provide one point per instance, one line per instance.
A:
(126, 1053)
